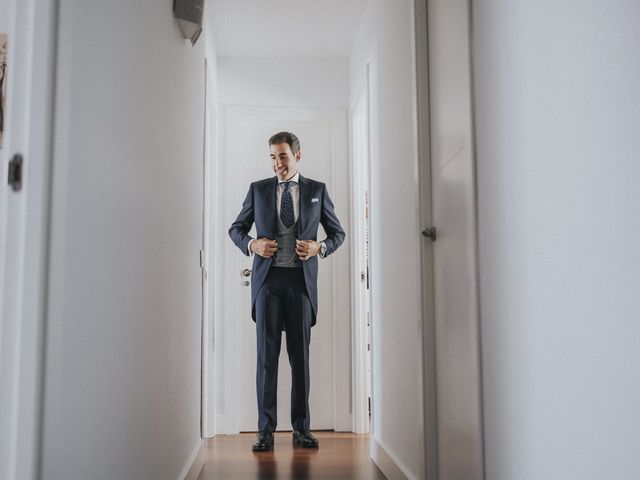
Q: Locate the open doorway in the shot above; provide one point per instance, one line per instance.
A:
(267, 83)
(324, 147)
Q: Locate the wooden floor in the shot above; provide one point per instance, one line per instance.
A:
(340, 456)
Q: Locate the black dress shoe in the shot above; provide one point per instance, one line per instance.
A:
(264, 442)
(304, 439)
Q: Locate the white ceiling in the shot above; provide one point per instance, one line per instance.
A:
(284, 28)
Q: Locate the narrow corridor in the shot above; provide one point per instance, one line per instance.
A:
(483, 158)
(341, 455)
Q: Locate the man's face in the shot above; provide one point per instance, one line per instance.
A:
(284, 162)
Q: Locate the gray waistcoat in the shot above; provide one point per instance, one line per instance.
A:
(286, 254)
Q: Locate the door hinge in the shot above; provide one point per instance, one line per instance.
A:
(201, 258)
(14, 177)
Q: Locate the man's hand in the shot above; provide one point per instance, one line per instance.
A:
(264, 247)
(307, 249)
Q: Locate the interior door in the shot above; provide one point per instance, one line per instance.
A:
(321, 133)
(206, 398)
(24, 222)
(362, 309)
(457, 362)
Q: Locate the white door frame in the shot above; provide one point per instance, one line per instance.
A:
(207, 394)
(227, 421)
(360, 184)
(429, 390)
(24, 290)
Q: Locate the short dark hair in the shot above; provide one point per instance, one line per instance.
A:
(286, 137)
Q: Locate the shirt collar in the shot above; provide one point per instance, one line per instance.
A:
(295, 178)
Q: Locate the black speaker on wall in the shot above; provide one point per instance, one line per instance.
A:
(189, 13)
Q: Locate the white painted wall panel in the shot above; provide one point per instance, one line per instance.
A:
(22, 298)
(122, 393)
(384, 41)
(284, 83)
(558, 109)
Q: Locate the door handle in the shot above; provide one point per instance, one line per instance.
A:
(246, 272)
(430, 233)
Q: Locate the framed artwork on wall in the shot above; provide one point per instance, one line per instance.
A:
(3, 75)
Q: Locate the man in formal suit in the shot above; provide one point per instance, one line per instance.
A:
(286, 210)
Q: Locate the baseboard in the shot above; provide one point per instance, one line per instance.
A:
(387, 462)
(195, 463)
(220, 427)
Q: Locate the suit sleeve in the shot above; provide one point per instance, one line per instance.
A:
(239, 230)
(331, 224)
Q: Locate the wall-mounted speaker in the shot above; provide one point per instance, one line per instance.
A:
(189, 14)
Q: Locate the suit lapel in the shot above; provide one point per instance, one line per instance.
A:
(271, 199)
(303, 203)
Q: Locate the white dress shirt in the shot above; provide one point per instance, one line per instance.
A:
(294, 188)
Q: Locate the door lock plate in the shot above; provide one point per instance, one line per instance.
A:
(15, 173)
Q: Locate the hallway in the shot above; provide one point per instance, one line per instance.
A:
(505, 130)
(340, 456)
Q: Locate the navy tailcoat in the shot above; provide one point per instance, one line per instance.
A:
(259, 207)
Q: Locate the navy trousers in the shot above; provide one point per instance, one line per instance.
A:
(283, 304)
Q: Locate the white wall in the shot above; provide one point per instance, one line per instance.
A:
(557, 120)
(22, 306)
(292, 82)
(122, 393)
(385, 41)
(7, 7)
(7, 324)
(211, 192)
